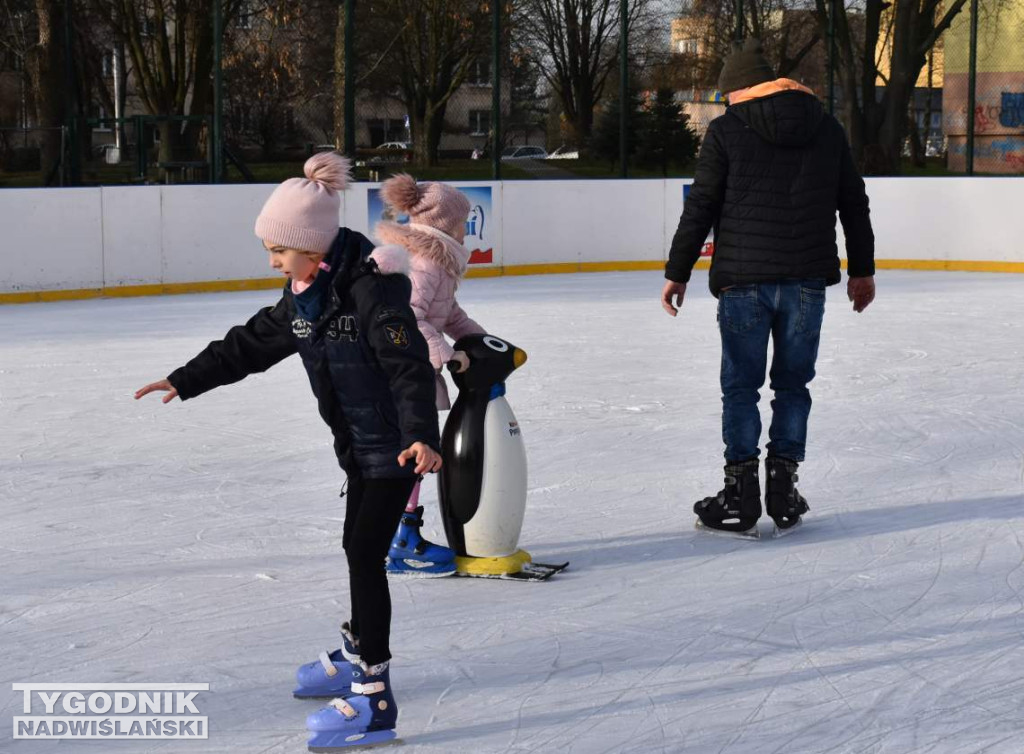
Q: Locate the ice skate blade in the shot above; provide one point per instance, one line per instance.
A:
(418, 569)
(410, 575)
(778, 533)
(336, 741)
(751, 534)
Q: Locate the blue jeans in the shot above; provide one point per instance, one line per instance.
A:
(791, 312)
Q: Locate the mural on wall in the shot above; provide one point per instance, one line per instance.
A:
(709, 242)
(999, 92)
(481, 228)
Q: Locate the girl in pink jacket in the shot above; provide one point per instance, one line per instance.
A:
(437, 258)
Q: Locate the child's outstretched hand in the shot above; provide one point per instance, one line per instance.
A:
(165, 385)
(427, 459)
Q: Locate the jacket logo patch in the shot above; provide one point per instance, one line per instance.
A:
(397, 335)
(343, 327)
(301, 327)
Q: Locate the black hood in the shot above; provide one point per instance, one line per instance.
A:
(788, 119)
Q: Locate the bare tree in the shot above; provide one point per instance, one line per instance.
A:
(878, 124)
(421, 52)
(576, 44)
(170, 44)
(787, 28)
(277, 60)
(46, 59)
(17, 23)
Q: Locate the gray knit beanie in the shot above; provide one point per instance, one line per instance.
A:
(745, 66)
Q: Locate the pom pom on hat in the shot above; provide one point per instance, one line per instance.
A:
(431, 203)
(401, 192)
(330, 169)
(303, 213)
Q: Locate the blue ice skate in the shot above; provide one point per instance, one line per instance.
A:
(412, 555)
(365, 718)
(333, 673)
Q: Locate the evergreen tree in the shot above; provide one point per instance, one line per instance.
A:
(605, 142)
(667, 138)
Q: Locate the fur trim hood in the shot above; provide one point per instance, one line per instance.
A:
(444, 251)
(391, 259)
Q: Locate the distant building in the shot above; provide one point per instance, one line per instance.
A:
(999, 93)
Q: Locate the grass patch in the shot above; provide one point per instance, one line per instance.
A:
(933, 167)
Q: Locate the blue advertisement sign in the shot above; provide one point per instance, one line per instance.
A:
(480, 226)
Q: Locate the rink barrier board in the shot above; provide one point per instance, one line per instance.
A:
(131, 291)
(143, 241)
(260, 284)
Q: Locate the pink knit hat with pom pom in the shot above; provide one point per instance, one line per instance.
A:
(302, 213)
(435, 204)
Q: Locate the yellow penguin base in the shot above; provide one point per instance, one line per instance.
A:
(470, 566)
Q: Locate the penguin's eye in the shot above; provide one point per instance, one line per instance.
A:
(494, 344)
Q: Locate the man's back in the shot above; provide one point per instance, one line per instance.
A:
(772, 172)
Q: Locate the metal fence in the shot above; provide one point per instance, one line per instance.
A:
(455, 89)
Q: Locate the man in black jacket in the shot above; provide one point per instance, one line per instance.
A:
(772, 173)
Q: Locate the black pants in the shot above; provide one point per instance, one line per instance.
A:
(371, 517)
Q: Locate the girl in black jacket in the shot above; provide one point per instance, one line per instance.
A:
(346, 312)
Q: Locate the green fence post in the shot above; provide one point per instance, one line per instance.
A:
(140, 147)
(832, 57)
(624, 87)
(350, 81)
(972, 74)
(217, 137)
(71, 118)
(496, 142)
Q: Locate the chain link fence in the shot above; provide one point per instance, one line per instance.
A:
(454, 89)
(988, 83)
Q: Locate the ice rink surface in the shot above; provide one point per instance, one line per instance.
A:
(200, 542)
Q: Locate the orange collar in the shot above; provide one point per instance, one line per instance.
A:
(767, 88)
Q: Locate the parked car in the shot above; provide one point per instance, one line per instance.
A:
(564, 153)
(389, 153)
(524, 153)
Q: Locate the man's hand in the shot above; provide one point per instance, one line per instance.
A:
(672, 289)
(164, 385)
(427, 459)
(861, 291)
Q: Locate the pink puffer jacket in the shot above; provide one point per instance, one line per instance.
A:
(437, 263)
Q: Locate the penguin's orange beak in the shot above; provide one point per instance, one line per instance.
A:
(519, 357)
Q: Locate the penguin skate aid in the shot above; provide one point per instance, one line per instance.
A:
(482, 484)
(345, 310)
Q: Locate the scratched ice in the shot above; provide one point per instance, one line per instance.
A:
(200, 542)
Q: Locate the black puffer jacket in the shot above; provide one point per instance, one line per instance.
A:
(771, 175)
(366, 360)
